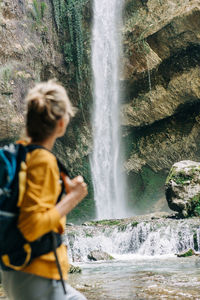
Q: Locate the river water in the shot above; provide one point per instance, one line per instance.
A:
(139, 277)
(145, 264)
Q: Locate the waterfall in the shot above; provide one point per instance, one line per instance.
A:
(106, 160)
(143, 239)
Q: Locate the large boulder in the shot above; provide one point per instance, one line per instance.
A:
(183, 188)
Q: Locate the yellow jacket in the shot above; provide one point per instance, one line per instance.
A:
(38, 214)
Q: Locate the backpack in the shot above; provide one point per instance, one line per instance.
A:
(15, 251)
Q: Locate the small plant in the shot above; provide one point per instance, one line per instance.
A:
(180, 178)
(196, 201)
(6, 74)
(134, 224)
(195, 240)
(38, 11)
(42, 9)
(67, 48)
(197, 210)
(88, 235)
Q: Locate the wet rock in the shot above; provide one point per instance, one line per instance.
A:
(74, 269)
(99, 255)
(187, 253)
(183, 188)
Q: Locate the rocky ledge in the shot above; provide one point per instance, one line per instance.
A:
(153, 234)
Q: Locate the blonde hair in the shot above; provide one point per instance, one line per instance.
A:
(47, 102)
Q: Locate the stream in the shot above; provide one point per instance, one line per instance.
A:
(145, 264)
(139, 277)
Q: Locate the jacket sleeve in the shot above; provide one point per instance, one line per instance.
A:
(38, 214)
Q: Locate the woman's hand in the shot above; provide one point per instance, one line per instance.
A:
(76, 190)
(75, 185)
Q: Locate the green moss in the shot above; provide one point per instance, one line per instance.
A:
(196, 202)
(197, 210)
(190, 252)
(38, 11)
(134, 224)
(42, 9)
(88, 235)
(74, 30)
(106, 222)
(196, 248)
(68, 17)
(6, 74)
(5, 77)
(179, 178)
(74, 269)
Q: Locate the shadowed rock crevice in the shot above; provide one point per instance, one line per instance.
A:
(169, 139)
(181, 61)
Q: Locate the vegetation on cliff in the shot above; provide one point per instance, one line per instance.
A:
(72, 18)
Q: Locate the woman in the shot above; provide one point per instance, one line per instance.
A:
(48, 114)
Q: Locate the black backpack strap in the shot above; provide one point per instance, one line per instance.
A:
(54, 241)
(44, 244)
(62, 168)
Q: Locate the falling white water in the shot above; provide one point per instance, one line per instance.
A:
(106, 166)
(143, 240)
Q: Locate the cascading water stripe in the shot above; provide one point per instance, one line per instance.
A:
(108, 182)
(145, 239)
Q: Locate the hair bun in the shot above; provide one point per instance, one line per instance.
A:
(38, 102)
(47, 103)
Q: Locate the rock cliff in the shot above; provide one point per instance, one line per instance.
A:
(29, 52)
(161, 84)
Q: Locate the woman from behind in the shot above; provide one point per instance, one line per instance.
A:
(42, 209)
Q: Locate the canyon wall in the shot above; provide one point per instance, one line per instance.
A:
(161, 88)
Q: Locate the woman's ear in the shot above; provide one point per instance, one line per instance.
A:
(61, 127)
(61, 123)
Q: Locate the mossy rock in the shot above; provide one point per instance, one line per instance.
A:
(189, 252)
(182, 188)
(104, 222)
(134, 224)
(97, 255)
(74, 269)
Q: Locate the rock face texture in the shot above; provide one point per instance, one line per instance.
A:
(183, 188)
(29, 52)
(161, 84)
